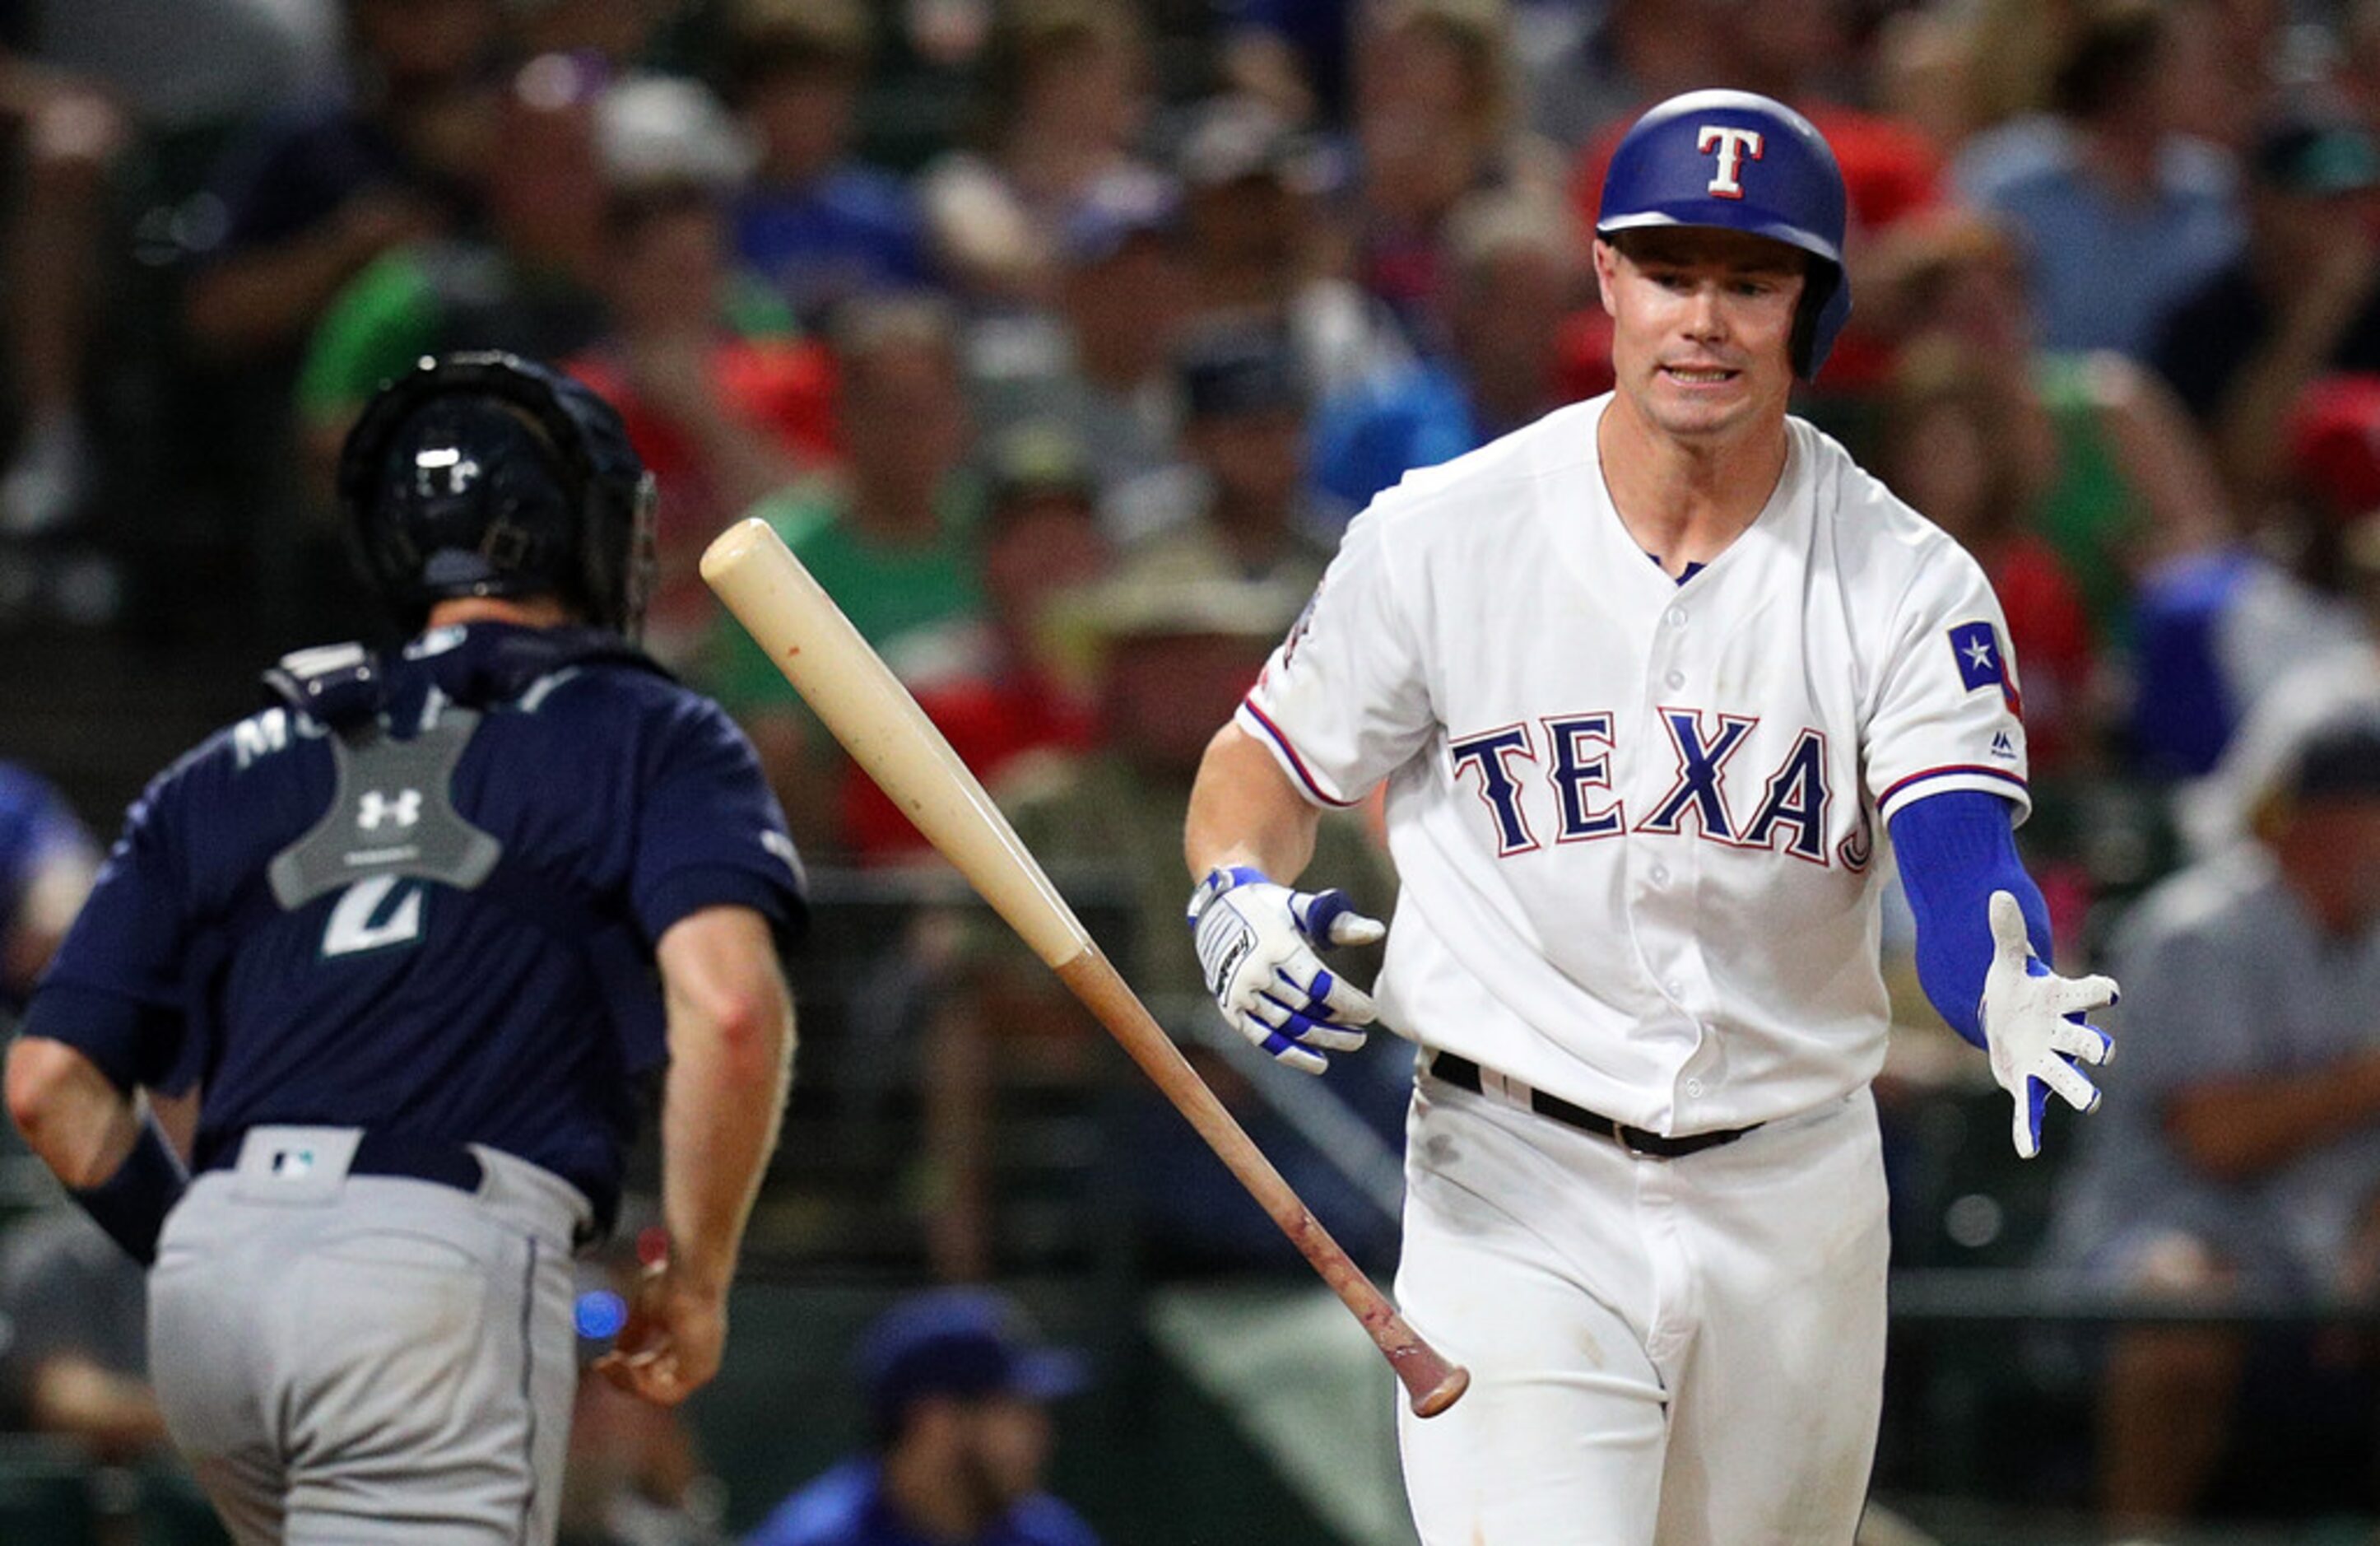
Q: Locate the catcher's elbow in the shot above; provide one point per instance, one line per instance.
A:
(57, 1100)
(40, 1073)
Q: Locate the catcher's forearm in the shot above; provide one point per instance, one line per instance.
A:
(731, 1037)
(1242, 811)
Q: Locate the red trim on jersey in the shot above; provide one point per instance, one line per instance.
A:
(1955, 768)
(1295, 762)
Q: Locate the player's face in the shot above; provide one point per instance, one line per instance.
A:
(1702, 325)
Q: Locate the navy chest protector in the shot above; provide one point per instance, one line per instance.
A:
(391, 814)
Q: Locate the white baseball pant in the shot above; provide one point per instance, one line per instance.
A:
(1684, 1352)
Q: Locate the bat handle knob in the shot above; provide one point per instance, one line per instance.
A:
(1432, 1383)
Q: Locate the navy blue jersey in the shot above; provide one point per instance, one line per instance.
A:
(522, 1012)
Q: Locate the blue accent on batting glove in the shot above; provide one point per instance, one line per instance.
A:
(1220, 881)
(132, 1205)
(1955, 849)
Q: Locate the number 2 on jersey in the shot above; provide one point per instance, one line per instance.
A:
(373, 915)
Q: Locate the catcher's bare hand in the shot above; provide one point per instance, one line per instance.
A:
(672, 1343)
(2033, 1026)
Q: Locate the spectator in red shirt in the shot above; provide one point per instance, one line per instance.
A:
(1002, 689)
(722, 399)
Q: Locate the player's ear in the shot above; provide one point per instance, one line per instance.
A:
(1606, 270)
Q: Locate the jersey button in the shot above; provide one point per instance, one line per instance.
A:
(1694, 1088)
(1674, 988)
(1675, 678)
(1677, 618)
(1660, 874)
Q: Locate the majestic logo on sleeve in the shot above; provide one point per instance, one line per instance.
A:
(1983, 664)
(1298, 629)
(1734, 147)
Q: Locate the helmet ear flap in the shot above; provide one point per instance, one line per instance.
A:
(1825, 304)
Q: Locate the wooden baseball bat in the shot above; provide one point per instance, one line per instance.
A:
(809, 639)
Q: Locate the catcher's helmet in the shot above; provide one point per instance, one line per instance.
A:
(484, 474)
(1742, 163)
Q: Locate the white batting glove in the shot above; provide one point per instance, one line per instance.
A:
(2033, 1026)
(1256, 941)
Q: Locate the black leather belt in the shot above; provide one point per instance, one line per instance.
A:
(404, 1155)
(1464, 1074)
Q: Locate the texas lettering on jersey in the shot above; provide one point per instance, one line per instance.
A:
(1494, 650)
(1570, 757)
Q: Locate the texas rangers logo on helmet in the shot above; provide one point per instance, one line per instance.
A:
(1732, 145)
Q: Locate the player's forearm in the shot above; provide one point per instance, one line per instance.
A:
(80, 1124)
(1242, 811)
(1955, 849)
(731, 1036)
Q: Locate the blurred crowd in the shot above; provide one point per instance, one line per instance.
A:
(1061, 338)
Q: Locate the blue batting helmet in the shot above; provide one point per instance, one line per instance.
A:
(1740, 162)
(485, 474)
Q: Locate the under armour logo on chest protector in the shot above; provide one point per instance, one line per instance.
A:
(376, 806)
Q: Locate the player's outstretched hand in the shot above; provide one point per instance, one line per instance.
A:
(672, 1343)
(2033, 1024)
(1256, 942)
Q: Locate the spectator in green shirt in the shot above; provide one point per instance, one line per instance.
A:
(892, 538)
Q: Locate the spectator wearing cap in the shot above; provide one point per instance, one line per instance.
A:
(2214, 631)
(1259, 245)
(816, 222)
(1250, 514)
(1099, 361)
(2301, 300)
(2121, 211)
(725, 401)
(957, 1396)
(1516, 287)
(1167, 648)
(2243, 1162)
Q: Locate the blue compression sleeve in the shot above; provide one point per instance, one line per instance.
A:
(1955, 849)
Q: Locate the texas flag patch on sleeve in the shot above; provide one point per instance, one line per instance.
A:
(1982, 663)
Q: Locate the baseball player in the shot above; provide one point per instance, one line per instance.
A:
(401, 928)
(1646, 683)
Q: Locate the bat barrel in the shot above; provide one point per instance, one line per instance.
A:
(814, 645)
(809, 640)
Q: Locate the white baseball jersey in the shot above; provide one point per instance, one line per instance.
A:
(1635, 821)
